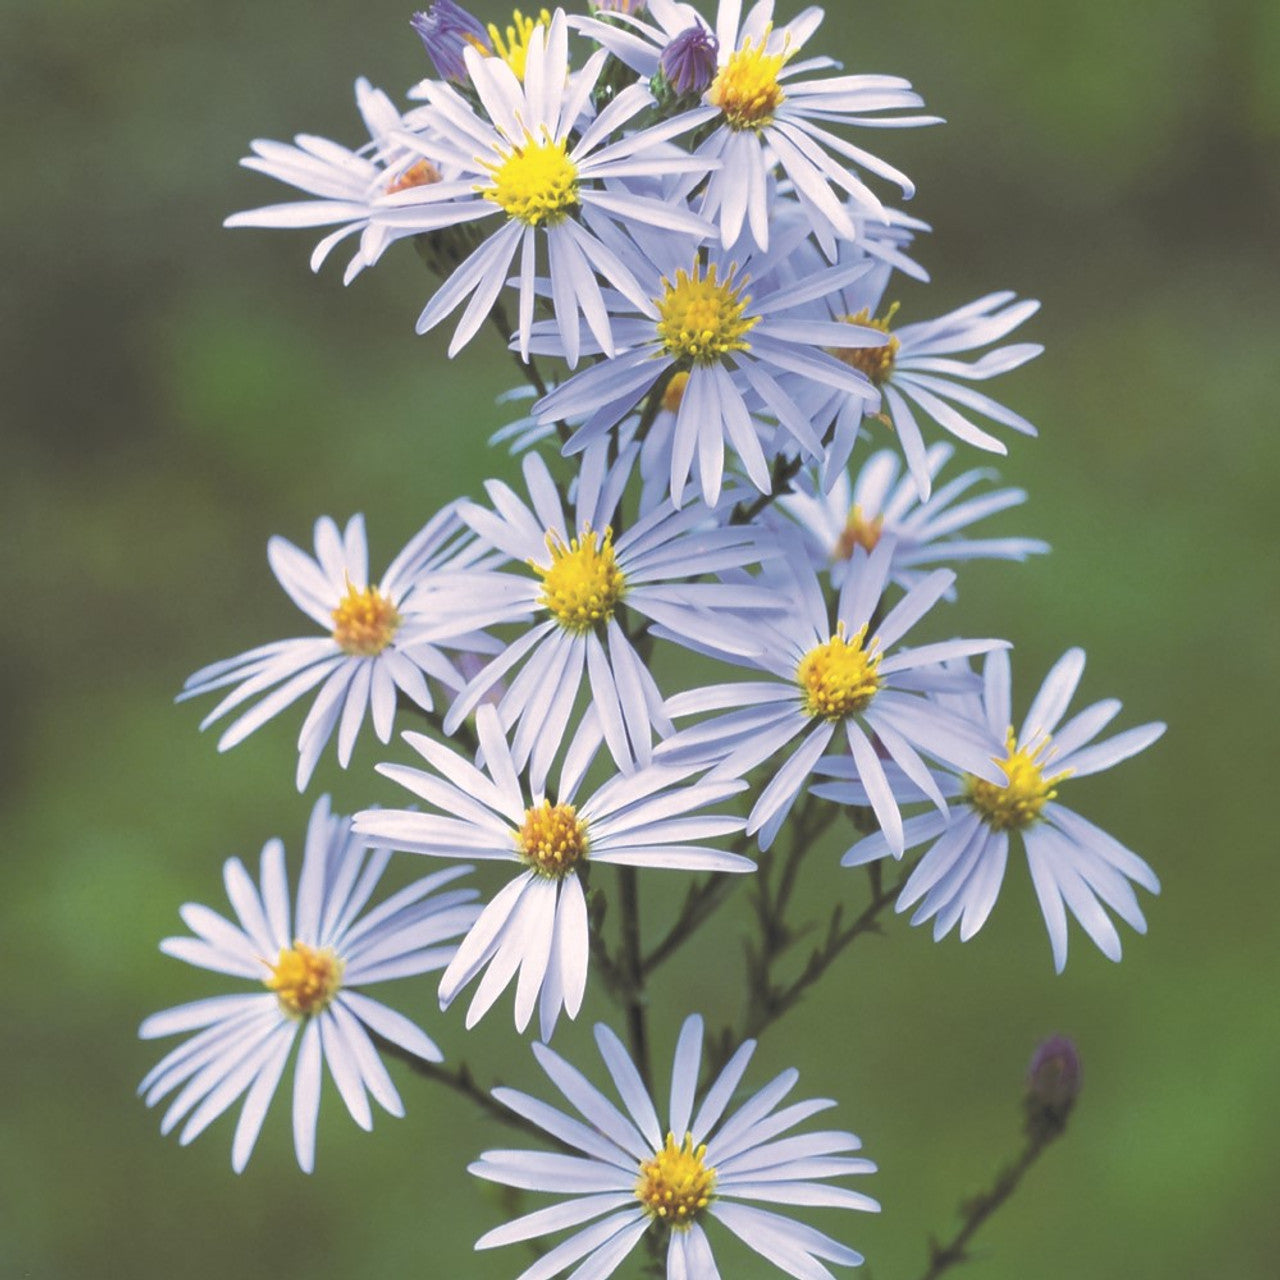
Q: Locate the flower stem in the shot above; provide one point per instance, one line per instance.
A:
(976, 1211)
(632, 965)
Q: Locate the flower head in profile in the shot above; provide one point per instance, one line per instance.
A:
(307, 959)
(363, 661)
(447, 30)
(536, 926)
(345, 185)
(881, 502)
(917, 366)
(1075, 866)
(636, 1171)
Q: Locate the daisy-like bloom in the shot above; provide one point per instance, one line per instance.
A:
(524, 162)
(583, 587)
(916, 367)
(634, 1173)
(363, 660)
(537, 924)
(882, 502)
(307, 963)
(346, 184)
(840, 677)
(722, 329)
(1074, 865)
(766, 114)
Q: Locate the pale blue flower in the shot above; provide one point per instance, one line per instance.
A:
(576, 591)
(536, 159)
(365, 659)
(536, 926)
(311, 960)
(633, 1172)
(883, 503)
(766, 113)
(839, 676)
(1075, 866)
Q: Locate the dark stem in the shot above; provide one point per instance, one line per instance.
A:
(977, 1210)
(631, 963)
(461, 1081)
(703, 899)
(784, 471)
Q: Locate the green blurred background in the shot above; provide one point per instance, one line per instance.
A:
(175, 393)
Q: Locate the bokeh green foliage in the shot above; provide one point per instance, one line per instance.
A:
(175, 394)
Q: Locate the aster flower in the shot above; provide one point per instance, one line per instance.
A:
(633, 1174)
(1075, 866)
(537, 924)
(582, 586)
(346, 184)
(765, 114)
(521, 160)
(364, 661)
(727, 324)
(883, 503)
(840, 677)
(310, 962)
(915, 367)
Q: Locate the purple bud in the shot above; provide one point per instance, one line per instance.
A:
(688, 63)
(1053, 1085)
(447, 29)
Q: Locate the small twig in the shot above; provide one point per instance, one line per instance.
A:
(977, 1210)
(461, 1081)
(701, 902)
(784, 471)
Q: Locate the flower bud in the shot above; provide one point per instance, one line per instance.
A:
(1053, 1085)
(688, 63)
(447, 29)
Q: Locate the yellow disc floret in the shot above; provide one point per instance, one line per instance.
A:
(583, 586)
(675, 1186)
(746, 88)
(512, 45)
(858, 531)
(838, 678)
(536, 184)
(701, 317)
(305, 979)
(1026, 791)
(553, 839)
(365, 622)
(875, 362)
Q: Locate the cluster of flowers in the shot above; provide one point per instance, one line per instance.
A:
(692, 234)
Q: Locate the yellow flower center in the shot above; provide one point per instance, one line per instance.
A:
(584, 586)
(536, 183)
(858, 532)
(875, 362)
(838, 678)
(553, 839)
(365, 622)
(673, 396)
(676, 1185)
(1026, 791)
(701, 317)
(305, 980)
(746, 88)
(512, 44)
(422, 174)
